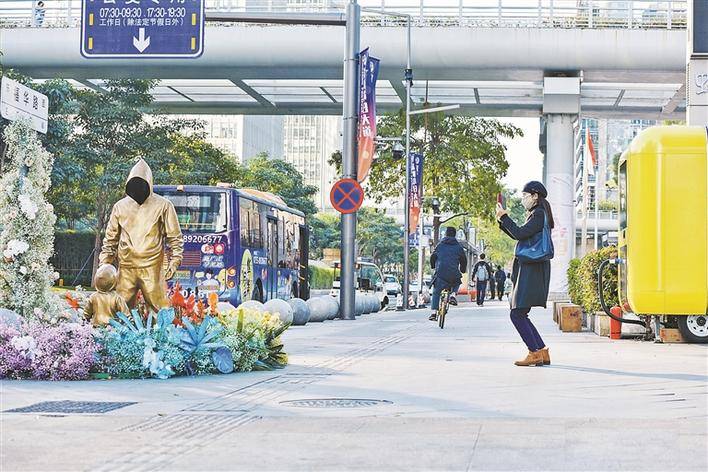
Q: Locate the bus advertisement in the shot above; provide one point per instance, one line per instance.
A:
(242, 244)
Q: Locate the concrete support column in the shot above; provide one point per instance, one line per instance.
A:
(559, 182)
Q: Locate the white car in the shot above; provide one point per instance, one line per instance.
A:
(393, 288)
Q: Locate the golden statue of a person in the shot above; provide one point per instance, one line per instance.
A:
(140, 225)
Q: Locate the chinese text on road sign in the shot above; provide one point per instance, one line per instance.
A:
(18, 101)
(142, 28)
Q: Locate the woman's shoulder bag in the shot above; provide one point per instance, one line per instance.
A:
(537, 248)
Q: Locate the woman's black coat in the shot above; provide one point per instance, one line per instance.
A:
(531, 280)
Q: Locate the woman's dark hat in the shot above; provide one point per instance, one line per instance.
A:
(535, 187)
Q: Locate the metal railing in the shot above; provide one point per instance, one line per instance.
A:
(601, 215)
(638, 14)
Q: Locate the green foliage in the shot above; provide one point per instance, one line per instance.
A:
(71, 249)
(281, 178)
(608, 205)
(379, 237)
(321, 278)
(574, 291)
(582, 280)
(498, 246)
(325, 233)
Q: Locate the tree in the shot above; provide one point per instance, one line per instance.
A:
(325, 233)
(27, 222)
(281, 178)
(379, 237)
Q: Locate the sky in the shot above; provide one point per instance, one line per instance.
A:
(525, 160)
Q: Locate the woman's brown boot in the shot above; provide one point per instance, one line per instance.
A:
(534, 358)
(546, 356)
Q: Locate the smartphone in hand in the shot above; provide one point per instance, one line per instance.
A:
(501, 200)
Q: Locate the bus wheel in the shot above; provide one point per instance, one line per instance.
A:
(694, 328)
(257, 294)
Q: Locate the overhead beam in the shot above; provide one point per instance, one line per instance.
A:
(619, 98)
(329, 95)
(180, 93)
(91, 85)
(252, 93)
(671, 105)
(400, 90)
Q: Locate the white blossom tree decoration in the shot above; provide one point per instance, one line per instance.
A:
(26, 226)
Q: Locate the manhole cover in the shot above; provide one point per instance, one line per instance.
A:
(66, 406)
(334, 403)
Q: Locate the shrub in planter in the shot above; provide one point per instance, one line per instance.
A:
(574, 290)
(587, 294)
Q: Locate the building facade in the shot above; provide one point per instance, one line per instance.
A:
(245, 136)
(309, 142)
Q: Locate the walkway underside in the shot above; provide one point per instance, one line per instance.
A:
(297, 70)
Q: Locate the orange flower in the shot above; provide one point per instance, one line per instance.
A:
(213, 301)
(73, 303)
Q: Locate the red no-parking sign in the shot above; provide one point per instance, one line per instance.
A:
(346, 196)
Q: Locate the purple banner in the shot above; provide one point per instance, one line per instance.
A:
(416, 195)
(368, 74)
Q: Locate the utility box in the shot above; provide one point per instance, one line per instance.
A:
(663, 233)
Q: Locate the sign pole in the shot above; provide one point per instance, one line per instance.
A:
(349, 158)
(407, 209)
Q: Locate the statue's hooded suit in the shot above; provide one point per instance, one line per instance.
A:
(138, 229)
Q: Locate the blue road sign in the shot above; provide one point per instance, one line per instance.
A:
(142, 28)
(346, 196)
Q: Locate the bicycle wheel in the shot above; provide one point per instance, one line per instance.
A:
(443, 311)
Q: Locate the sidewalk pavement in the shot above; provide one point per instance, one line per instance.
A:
(390, 391)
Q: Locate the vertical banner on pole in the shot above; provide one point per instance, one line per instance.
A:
(416, 194)
(368, 74)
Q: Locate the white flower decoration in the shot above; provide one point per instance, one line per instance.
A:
(28, 207)
(15, 247)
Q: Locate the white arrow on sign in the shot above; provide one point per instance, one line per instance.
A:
(141, 42)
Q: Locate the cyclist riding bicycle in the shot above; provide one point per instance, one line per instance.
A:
(450, 262)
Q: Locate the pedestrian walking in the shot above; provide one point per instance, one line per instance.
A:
(481, 273)
(500, 281)
(39, 12)
(530, 279)
(492, 285)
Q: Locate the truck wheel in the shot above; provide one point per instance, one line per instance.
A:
(694, 328)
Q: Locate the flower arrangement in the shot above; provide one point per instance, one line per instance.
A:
(160, 345)
(27, 222)
(65, 351)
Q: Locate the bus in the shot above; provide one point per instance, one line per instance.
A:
(242, 244)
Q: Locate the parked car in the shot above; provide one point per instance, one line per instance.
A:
(391, 285)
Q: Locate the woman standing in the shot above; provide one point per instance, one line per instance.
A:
(530, 279)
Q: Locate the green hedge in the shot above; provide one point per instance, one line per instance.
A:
(71, 249)
(582, 280)
(321, 278)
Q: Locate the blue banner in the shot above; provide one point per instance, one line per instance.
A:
(416, 190)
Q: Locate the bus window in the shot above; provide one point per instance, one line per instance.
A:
(281, 239)
(200, 212)
(250, 222)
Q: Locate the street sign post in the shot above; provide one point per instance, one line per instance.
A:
(346, 196)
(142, 28)
(18, 101)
